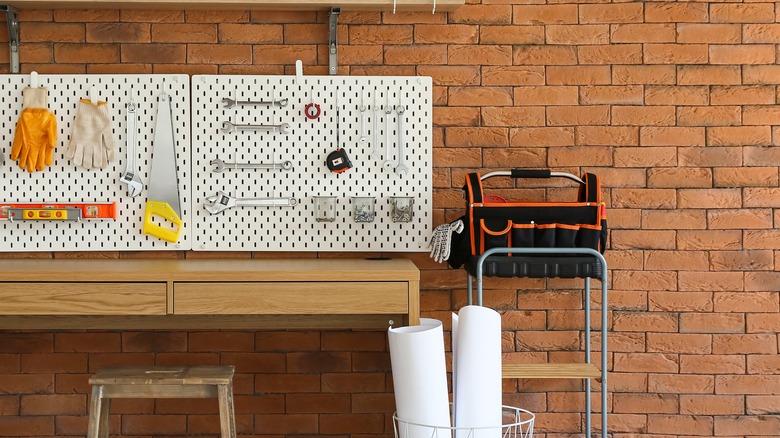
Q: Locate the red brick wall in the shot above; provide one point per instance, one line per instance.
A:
(673, 104)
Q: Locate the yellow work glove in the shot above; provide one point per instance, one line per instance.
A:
(36, 131)
(92, 141)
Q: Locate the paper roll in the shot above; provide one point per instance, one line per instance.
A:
(478, 373)
(420, 379)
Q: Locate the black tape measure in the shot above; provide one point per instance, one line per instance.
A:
(338, 161)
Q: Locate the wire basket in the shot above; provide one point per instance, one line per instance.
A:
(516, 423)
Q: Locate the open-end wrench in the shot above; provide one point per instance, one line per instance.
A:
(362, 108)
(389, 164)
(230, 127)
(222, 201)
(130, 176)
(229, 103)
(401, 168)
(220, 166)
(375, 152)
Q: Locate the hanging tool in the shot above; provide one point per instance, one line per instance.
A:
(401, 168)
(389, 164)
(130, 176)
(229, 103)
(220, 166)
(362, 108)
(163, 193)
(338, 161)
(375, 152)
(58, 211)
(222, 201)
(231, 127)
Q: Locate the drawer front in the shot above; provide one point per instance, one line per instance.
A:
(289, 298)
(82, 298)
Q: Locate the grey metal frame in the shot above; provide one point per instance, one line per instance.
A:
(586, 298)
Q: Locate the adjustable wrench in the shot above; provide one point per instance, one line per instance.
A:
(230, 127)
(401, 168)
(130, 176)
(220, 166)
(229, 103)
(222, 201)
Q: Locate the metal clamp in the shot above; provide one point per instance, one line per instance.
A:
(13, 35)
(333, 42)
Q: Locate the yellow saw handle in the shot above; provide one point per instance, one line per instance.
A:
(164, 210)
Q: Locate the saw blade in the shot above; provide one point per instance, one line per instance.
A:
(164, 179)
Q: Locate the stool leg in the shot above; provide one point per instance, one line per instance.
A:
(95, 412)
(104, 411)
(227, 418)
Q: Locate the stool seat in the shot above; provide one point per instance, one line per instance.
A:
(161, 382)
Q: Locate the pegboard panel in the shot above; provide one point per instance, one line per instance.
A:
(66, 182)
(307, 144)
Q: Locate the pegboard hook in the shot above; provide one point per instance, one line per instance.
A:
(299, 73)
(34, 79)
(434, 7)
(93, 96)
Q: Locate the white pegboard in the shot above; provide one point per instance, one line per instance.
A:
(65, 182)
(307, 145)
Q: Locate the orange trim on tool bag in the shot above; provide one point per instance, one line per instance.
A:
(495, 233)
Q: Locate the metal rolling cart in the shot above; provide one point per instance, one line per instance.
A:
(510, 260)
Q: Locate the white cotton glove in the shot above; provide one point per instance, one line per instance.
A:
(92, 141)
(440, 242)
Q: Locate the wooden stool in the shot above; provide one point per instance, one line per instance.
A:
(161, 382)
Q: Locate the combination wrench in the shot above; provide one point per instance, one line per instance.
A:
(229, 103)
(389, 164)
(231, 127)
(401, 168)
(221, 166)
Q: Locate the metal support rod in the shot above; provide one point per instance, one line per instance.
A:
(333, 41)
(13, 35)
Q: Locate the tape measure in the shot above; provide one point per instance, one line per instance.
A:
(338, 161)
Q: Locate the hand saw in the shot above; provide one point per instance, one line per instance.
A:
(163, 193)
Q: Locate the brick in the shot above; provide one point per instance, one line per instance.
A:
(761, 404)
(676, 13)
(510, 116)
(741, 260)
(738, 54)
(642, 33)
(742, 13)
(53, 404)
(761, 239)
(577, 34)
(712, 364)
(11, 342)
(680, 383)
(87, 342)
(671, 136)
(466, 137)
(760, 281)
(711, 198)
(744, 343)
(644, 74)
(421, 54)
(455, 116)
(723, 240)
(580, 155)
(680, 302)
(232, 54)
(763, 322)
(510, 34)
(86, 53)
(683, 343)
(514, 157)
(761, 74)
(414, 18)
(524, 320)
(433, 34)
(646, 403)
(645, 362)
(457, 157)
(679, 178)
(677, 219)
(712, 323)
(761, 197)
(216, 16)
(709, 33)
(581, 75)
(547, 136)
(221, 341)
(27, 383)
(545, 14)
(682, 424)
(528, 340)
(746, 177)
(118, 33)
(610, 54)
(451, 75)
(482, 14)
(512, 75)
(643, 115)
(544, 55)
(614, 177)
(760, 115)
(628, 382)
(119, 69)
(479, 55)
(85, 16)
(644, 322)
(709, 75)
(34, 363)
(739, 219)
(746, 302)
(646, 280)
(676, 95)
(385, 34)
(643, 198)
(742, 95)
(763, 363)
(676, 260)
(372, 403)
(708, 116)
(711, 156)
(287, 383)
(546, 95)
(154, 53)
(612, 13)
(758, 425)
(579, 115)
(675, 54)
(288, 423)
(244, 33)
(351, 423)
(298, 33)
(739, 136)
(761, 156)
(761, 33)
(768, 385)
(498, 98)
(645, 157)
(607, 135)
(149, 16)
(33, 32)
(27, 426)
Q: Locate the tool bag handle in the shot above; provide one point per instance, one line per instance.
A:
(532, 173)
(590, 185)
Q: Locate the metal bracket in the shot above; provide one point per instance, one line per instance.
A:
(333, 41)
(13, 35)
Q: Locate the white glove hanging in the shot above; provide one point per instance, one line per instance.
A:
(91, 142)
(441, 240)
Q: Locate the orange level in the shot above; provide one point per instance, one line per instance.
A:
(58, 211)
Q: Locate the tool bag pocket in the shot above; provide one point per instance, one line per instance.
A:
(536, 224)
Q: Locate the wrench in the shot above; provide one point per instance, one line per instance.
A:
(375, 153)
(130, 176)
(222, 201)
(389, 164)
(229, 103)
(401, 168)
(220, 166)
(230, 127)
(363, 137)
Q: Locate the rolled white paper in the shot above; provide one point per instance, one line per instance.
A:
(478, 375)
(420, 379)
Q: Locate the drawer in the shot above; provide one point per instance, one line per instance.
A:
(82, 298)
(288, 298)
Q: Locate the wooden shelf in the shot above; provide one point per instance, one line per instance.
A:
(298, 5)
(550, 371)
